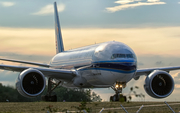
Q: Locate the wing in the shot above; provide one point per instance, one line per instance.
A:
(147, 71)
(48, 72)
(25, 62)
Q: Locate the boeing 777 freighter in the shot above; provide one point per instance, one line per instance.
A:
(109, 64)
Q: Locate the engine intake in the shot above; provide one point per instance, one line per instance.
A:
(31, 83)
(159, 84)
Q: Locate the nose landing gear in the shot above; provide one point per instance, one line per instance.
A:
(118, 90)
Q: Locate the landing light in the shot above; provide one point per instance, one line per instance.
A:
(121, 86)
(116, 86)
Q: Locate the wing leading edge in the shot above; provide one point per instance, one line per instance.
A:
(48, 72)
(25, 62)
(147, 71)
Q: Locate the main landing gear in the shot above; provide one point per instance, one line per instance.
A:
(118, 90)
(49, 96)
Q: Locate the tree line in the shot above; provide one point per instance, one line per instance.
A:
(9, 93)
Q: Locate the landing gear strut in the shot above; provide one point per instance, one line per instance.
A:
(49, 97)
(118, 92)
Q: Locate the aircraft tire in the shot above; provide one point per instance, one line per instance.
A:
(125, 98)
(54, 98)
(43, 98)
(114, 98)
(111, 98)
(49, 98)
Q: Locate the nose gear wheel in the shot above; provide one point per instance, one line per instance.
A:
(118, 92)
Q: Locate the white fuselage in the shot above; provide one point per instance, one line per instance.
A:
(99, 65)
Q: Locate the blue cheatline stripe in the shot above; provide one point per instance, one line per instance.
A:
(116, 61)
(114, 70)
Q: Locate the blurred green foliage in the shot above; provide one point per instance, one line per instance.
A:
(9, 93)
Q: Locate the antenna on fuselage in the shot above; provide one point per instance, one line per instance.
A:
(58, 34)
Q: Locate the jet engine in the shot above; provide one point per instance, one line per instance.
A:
(30, 83)
(159, 84)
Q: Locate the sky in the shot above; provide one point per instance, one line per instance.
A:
(150, 27)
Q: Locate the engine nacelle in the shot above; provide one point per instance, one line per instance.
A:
(159, 84)
(30, 83)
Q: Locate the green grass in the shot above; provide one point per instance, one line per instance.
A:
(43, 107)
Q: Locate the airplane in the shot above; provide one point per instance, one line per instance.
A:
(109, 64)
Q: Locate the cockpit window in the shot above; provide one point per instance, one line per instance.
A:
(122, 56)
(118, 56)
(129, 55)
